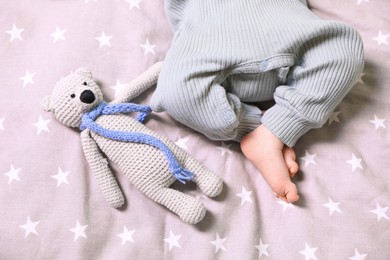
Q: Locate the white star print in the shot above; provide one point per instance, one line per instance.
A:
(198, 194)
(361, 78)
(172, 240)
(334, 117)
(87, 1)
(182, 143)
(134, 3)
(30, 227)
(361, 1)
(224, 148)
(61, 177)
(118, 87)
(13, 174)
(79, 231)
(58, 34)
(15, 33)
(218, 243)
(41, 125)
(1, 123)
(104, 40)
(355, 163)
(245, 196)
(27, 78)
(380, 212)
(332, 206)
(148, 48)
(285, 205)
(308, 252)
(381, 38)
(309, 159)
(357, 256)
(126, 235)
(262, 249)
(378, 122)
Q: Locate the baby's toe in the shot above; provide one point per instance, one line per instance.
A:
(290, 159)
(292, 193)
(292, 168)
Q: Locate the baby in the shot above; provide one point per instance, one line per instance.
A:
(227, 55)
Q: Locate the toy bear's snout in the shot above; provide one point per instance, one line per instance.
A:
(87, 97)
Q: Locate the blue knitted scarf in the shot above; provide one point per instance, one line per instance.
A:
(88, 121)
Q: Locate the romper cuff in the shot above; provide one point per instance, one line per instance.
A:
(286, 124)
(249, 119)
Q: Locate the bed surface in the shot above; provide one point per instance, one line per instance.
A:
(52, 208)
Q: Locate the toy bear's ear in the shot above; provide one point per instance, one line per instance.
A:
(46, 104)
(84, 72)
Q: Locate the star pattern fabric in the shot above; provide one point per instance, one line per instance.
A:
(104, 40)
(126, 235)
(309, 252)
(357, 256)
(1, 123)
(15, 33)
(182, 143)
(118, 87)
(42, 125)
(355, 162)
(172, 240)
(79, 231)
(134, 4)
(380, 212)
(58, 34)
(378, 122)
(285, 205)
(308, 159)
(30, 227)
(332, 206)
(382, 38)
(334, 117)
(13, 174)
(219, 243)
(61, 177)
(27, 78)
(262, 249)
(148, 48)
(50, 199)
(245, 196)
(224, 148)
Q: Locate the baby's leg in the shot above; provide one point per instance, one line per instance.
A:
(274, 160)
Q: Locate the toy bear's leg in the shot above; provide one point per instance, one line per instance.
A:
(208, 182)
(189, 209)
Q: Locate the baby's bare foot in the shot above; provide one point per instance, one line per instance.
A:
(287, 192)
(274, 160)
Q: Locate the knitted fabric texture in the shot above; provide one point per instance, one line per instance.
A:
(144, 165)
(228, 54)
(88, 122)
(61, 99)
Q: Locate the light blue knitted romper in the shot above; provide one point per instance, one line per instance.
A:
(227, 54)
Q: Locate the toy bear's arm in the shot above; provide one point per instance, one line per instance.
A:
(102, 172)
(140, 84)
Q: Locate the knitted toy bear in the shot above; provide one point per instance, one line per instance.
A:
(151, 162)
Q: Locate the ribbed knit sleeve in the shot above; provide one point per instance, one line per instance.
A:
(330, 65)
(227, 54)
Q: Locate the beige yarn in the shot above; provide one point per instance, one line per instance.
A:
(145, 166)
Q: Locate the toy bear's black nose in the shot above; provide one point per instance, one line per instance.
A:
(87, 97)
